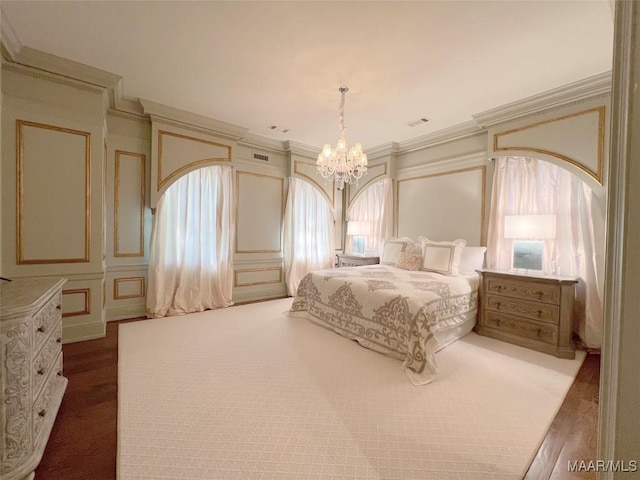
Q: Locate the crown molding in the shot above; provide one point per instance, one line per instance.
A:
(184, 119)
(582, 90)
(385, 149)
(254, 141)
(302, 149)
(11, 44)
(456, 132)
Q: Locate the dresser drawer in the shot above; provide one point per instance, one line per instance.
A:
(44, 361)
(535, 311)
(44, 407)
(543, 332)
(45, 320)
(538, 292)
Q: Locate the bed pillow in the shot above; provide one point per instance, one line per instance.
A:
(441, 257)
(392, 247)
(409, 261)
(471, 259)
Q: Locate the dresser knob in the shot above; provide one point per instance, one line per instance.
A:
(59, 340)
(58, 307)
(41, 329)
(42, 412)
(40, 371)
(59, 373)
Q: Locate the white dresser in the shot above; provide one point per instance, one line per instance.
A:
(31, 367)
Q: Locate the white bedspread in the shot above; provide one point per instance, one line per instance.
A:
(390, 310)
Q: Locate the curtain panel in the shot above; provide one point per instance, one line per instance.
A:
(527, 186)
(191, 257)
(373, 205)
(309, 229)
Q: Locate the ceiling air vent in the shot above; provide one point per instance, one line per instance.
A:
(420, 121)
(260, 156)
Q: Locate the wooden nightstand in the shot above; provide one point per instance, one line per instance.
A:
(531, 311)
(353, 260)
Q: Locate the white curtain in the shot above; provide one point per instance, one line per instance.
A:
(373, 205)
(309, 229)
(523, 186)
(190, 263)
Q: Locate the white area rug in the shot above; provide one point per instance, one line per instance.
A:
(248, 393)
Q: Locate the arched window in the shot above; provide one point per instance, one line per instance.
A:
(308, 233)
(373, 207)
(190, 263)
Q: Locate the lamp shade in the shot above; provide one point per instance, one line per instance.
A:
(358, 228)
(530, 226)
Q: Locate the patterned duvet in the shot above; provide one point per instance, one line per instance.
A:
(389, 310)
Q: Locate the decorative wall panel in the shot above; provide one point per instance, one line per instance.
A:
(129, 287)
(53, 194)
(177, 153)
(577, 138)
(257, 276)
(76, 302)
(129, 193)
(443, 206)
(260, 213)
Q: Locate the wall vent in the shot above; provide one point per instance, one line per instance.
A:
(418, 122)
(260, 156)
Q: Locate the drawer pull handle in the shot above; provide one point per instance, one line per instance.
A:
(41, 329)
(59, 373)
(42, 412)
(58, 307)
(58, 340)
(40, 371)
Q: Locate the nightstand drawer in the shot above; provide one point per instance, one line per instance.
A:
(537, 292)
(543, 332)
(534, 311)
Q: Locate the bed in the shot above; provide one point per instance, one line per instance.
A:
(407, 315)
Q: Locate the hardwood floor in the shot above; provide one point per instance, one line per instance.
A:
(83, 444)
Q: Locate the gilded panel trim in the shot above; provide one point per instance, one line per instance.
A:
(118, 281)
(370, 182)
(236, 281)
(282, 206)
(597, 175)
(332, 199)
(178, 172)
(87, 301)
(116, 241)
(483, 170)
(20, 260)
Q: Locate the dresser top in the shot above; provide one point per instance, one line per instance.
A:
(530, 275)
(24, 294)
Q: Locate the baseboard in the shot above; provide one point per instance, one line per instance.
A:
(84, 331)
(125, 312)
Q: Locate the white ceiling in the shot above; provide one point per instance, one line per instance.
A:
(255, 64)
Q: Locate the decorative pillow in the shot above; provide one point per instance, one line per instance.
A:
(409, 261)
(471, 259)
(393, 247)
(441, 257)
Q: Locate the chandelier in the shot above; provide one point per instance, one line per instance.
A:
(339, 164)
